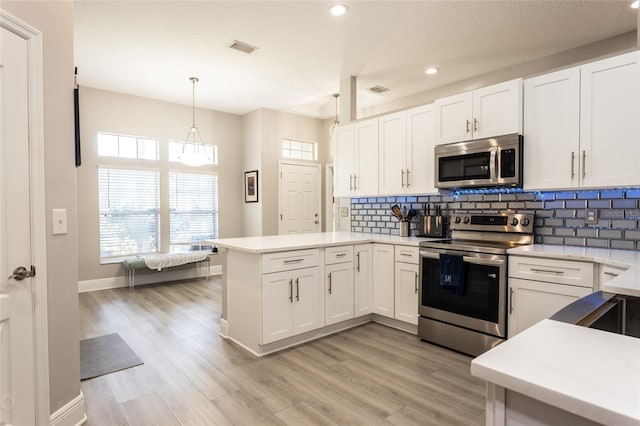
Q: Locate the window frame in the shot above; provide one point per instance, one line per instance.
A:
(314, 150)
(137, 138)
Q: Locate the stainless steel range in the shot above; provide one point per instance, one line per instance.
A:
(463, 281)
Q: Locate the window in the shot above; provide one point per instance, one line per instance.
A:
(121, 146)
(129, 211)
(299, 150)
(176, 147)
(193, 207)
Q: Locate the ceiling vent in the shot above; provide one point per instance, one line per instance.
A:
(242, 47)
(378, 89)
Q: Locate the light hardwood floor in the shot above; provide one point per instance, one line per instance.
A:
(369, 375)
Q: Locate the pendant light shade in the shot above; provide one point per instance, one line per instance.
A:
(194, 151)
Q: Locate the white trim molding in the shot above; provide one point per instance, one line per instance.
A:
(72, 413)
(35, 83)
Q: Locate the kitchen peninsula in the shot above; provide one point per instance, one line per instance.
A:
(279, 291)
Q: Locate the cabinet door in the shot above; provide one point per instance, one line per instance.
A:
(308, 307)
(383, 279)
(338, 293)
(366, 165)
(406, 289)
(277, 306)
(497, 109)
(420, 145)
(552, 130)
(344, 161)
(453, 118)
(392, 147)
(533, 301)
(363, 280)
(609, 124)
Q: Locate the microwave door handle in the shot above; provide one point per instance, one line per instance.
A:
(481, 261)
(493, 164)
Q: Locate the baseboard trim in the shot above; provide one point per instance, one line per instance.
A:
(150, 278)
(72, 413)
(224, 328)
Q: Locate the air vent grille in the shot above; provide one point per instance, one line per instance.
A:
(242, 47)
(378, 89)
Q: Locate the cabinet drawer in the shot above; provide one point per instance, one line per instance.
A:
(607, 273)
(289, 260)
(407, 254)
(338, 254)
(579, 274)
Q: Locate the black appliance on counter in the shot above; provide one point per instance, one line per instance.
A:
(463, 281)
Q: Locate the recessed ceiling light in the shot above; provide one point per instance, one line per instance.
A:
(432, 70)
(635, 4)
(338, 9)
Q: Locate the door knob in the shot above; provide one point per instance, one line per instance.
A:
(20, 273)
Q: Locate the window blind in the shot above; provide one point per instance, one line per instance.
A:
(129, 205)
(193, 207)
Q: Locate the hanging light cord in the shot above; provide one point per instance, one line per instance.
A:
(193, 130)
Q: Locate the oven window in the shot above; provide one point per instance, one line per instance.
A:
(480, 298)
(464, 167)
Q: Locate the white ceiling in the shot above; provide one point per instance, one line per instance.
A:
(151, 48)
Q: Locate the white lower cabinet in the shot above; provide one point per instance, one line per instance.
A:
(383, 280)
(406, 284)
(338, 292)
(292, 303)
(538, 288)
(363, 280)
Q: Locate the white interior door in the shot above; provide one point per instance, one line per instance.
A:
(299, 198)
(17, 378)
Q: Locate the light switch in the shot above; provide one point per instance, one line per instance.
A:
(59, 221)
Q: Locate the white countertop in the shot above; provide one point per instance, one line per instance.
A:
(627, 283)
(275, 243)
(591, 373)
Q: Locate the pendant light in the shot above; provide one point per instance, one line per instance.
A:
(194, 151)
(336, 122)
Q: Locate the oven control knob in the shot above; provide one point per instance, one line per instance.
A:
(457, 219)
(525, 221)
(514, 221)
(466, 219)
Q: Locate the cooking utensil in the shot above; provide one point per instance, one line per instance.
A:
(411, 214)
(404, 212)
(396, 211)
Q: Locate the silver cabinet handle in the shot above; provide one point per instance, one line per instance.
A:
(547, 271)
(468, 126)
(20, 273)
(511, 301)
(402, 176)
(584, 163)
(408, 173)
(341, 254)
(291, 290)
(358, 264)
(297, 289)
(611, 274)
(573, 164)
(355, 182)
(350, 182)
(416, 283)
(290, 261)
(329, 282)
(475, 124)
(405, 254)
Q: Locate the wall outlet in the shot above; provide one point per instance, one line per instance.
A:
(344, 211)
(591, 216)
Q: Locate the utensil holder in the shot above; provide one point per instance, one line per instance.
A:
(405, 230)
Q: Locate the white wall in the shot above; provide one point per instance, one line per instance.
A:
(252, 160)
(103, 111)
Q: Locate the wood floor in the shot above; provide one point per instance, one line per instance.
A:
(368, 375)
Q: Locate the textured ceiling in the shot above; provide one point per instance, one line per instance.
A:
(151, 48)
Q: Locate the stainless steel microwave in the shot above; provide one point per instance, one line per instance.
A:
(481, 163)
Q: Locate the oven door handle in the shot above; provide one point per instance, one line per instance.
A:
(468, 259)
(429, 255)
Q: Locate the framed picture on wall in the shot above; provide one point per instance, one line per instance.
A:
(251, 186)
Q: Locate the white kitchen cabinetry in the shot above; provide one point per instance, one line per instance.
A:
(538, 288)
(292, 299)
(581, 126)
(363, 280)
(338, 286)
(490, 111)
(406, 284)
(608, 272)
(356, 162)
(383, 279)
(406, 142)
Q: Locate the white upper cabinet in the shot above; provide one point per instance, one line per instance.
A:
(356, 161)
(551, 130)
(490, 111)
(406, 143)
(581, 126)
(610, 122)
